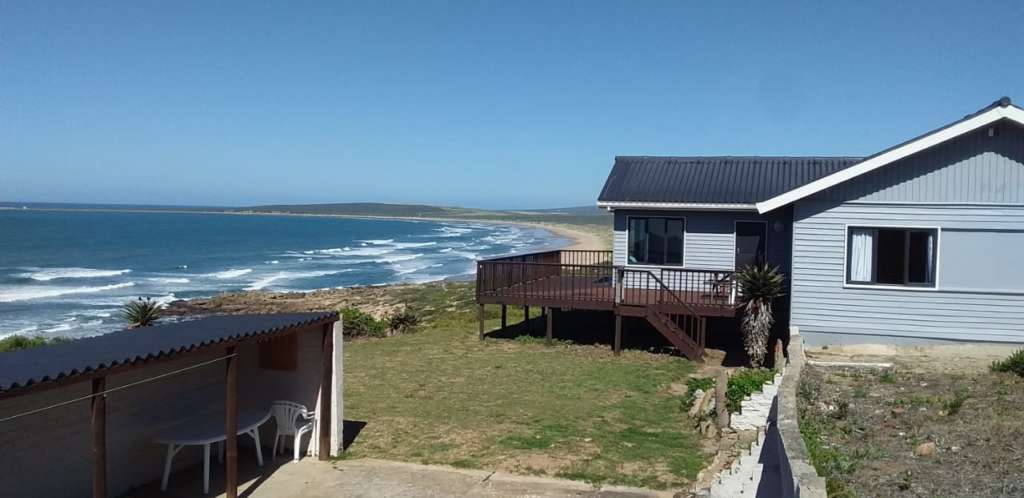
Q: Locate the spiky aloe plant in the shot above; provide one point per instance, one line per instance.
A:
(759, 286)
(141, 312)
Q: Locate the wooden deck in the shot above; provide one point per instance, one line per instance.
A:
(676, 301)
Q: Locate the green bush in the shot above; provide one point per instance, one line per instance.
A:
(359, 324)
(400, 322)
(743, 383)
(16, 342)
(693, 384)
(1013, 364)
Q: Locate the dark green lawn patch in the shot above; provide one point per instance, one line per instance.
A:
(442, 396)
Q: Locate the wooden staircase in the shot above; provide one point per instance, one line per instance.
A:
(685, 332)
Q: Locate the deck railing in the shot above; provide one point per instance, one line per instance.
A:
(575, 276)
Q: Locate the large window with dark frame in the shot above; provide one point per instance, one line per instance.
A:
(891, 256)
(656, 241)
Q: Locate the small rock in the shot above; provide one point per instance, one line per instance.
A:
(954, 449)
(899, 410)
(925, 449)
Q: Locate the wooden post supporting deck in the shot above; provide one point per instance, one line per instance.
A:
(99, 438)
(618, 334)
(504, 317)
(549, 334)
(526, 318)
(480, 315)
(326, 381)
(231, 424)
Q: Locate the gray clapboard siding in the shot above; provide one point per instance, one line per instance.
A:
(972, 301)
(973, 168)
(709, 242)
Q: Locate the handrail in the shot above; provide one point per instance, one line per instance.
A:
(662, 288)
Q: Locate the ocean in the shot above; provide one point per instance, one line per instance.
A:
(67, 273)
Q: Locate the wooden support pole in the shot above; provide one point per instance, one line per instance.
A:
(721, 386)
(504, 317)
(526, 318)
(480, 316)
(231, 424)
(549, 333)
(326, 381)
(99, 438)
(617, 348)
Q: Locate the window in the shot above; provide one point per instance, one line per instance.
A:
(656, 241)
(891, 256)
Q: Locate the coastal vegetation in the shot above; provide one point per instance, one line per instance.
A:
(142, 312)
(18, 341)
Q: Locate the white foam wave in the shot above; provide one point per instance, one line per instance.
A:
(452, 231)
(232, 273)
(348, 251)
(378, 242)
(169, 280)
(284, 275)
(47, 274)
(466, 254)
(395, 259)
(446, 249)
(410, 245)
(12, 294)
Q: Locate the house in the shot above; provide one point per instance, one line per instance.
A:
(86, 417)
(915, 243)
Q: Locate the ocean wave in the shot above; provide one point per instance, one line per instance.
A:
(446, 249)
(270, 279)
(410, 245)
(378, 242)
(47, 274)
(348, 251)
(28, 293)
(232, 273)
(397, 258)
(169, 280)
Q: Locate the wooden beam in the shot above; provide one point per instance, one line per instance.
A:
(99, 438)
(480, 316)
(526, 318)
(326, 381)
(231, 423)
(549, 333)
(504, 317)
(617, 347)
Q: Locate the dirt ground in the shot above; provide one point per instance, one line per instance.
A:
(936, 424)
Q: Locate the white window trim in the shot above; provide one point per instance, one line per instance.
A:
(992, 115)
(916, 288)
(686, 229)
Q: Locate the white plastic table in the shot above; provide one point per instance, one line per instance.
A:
(204, 432)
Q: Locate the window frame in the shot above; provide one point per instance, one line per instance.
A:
(629, 246)
(930, 287)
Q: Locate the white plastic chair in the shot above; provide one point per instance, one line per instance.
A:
(292, 419)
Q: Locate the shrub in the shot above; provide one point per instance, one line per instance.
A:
(359, 324)
(953, 405)
(400, 322)
(759, 286)
(141, 312)
(16, 342)
(743, 383)
(1013, 364)
(694, 384)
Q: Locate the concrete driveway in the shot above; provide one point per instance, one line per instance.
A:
(370, 478)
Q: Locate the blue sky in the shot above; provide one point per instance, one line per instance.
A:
(478, 103)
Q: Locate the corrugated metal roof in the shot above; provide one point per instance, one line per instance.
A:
(31, 366)
(713, 180)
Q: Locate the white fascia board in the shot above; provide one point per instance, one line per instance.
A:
(985, 118)
(692, 206)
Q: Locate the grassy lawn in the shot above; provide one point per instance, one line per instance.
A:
(441, 396)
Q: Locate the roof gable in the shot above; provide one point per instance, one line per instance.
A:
(999, 110)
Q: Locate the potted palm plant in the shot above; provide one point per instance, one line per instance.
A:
(759, 286)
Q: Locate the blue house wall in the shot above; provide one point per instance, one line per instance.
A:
(971, 189)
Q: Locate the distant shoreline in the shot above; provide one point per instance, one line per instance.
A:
(579, 239)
